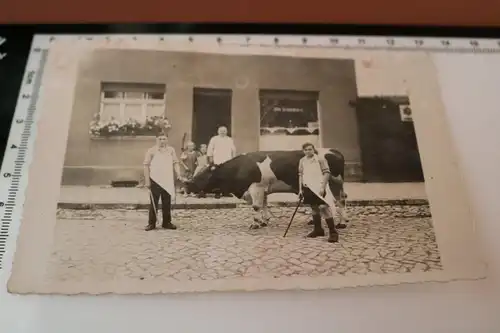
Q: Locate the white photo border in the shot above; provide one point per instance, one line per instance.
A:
(452, 215)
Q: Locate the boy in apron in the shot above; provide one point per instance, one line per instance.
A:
(159, 166)
(314, 175)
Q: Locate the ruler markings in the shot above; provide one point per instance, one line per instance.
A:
(19, 142)
(24, 118)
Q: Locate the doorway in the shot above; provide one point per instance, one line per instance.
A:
(211, 109)
(389, 150)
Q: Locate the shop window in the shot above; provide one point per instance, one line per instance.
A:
(288, 119)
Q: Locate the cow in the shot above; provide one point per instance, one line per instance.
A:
(253, 176)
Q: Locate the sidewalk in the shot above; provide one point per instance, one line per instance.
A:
(94, 197)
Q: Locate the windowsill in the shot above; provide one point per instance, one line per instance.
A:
(124, 138)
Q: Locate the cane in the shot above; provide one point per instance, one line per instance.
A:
(295, 212)
(154, 205)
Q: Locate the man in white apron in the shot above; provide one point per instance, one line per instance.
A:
(221, 148)
(314, 174)
(159, 166)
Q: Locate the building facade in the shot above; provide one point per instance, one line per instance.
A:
(266, 102)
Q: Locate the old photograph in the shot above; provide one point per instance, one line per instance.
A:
(192, 170)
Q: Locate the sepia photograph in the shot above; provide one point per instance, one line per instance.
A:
(192, 170)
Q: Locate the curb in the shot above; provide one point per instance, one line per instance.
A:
(137, 206)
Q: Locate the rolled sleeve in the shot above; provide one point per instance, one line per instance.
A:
(324, 165)
(149, 157)
(174, 155)
(301, 167)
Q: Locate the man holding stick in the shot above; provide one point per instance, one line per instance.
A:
(314, 190)
(159, 165)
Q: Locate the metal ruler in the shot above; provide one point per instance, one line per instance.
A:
(14, 171)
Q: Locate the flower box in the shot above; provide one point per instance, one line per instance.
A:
(130, 128)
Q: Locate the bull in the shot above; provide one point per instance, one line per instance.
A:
(253, 176)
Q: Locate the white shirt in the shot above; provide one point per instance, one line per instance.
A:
(221, 149)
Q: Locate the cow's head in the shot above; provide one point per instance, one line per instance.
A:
(204, 181)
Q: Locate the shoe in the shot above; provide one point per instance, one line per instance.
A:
(169, 226)
(334, 235)
(150, 227)
(318, 230)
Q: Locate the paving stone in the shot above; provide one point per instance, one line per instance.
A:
(217, 244)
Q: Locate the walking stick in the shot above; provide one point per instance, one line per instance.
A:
(295, 212)
(154, 205)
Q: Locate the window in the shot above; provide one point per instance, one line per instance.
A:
(131, 101)
(288, 119)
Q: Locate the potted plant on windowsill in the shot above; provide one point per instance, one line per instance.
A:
(130, 128)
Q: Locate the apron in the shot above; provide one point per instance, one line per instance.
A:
(162, 171)
(312, 178)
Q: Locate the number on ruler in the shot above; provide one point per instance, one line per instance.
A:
(419, 42)
(390, 41)
(19, 121)
(29, 77)
(248, 39)
(7, 175)
(445, 43)
(474, 43)
(335, 41)
(26, 96)
(37, 49)
(361, 41)
(2, 204)
(13, 147)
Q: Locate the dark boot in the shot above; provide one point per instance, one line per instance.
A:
(318, 229)
(150, 226)
(334, 236)
(169, 225)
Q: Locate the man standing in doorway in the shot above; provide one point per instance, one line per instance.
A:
(221, 148)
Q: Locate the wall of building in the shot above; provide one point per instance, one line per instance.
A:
(91, 161)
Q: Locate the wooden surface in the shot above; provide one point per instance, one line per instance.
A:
(419, 12)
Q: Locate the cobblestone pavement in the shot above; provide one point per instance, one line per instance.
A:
(217, 244)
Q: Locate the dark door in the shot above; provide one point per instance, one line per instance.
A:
(389, 149)
(211, 109)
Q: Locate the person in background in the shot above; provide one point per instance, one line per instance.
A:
(159, 166)
(220, 149)
(189, 158)
(202, 164)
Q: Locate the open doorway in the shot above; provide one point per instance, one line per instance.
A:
(211, 109)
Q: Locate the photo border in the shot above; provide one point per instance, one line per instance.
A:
(445, 187)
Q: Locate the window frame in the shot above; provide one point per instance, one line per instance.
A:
(144, 89)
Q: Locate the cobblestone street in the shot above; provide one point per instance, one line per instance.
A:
(217, 244)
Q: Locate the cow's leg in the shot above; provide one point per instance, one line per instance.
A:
(256, 192)
(326, 212)
(265, 211)
(316, 219)
(341, 213)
